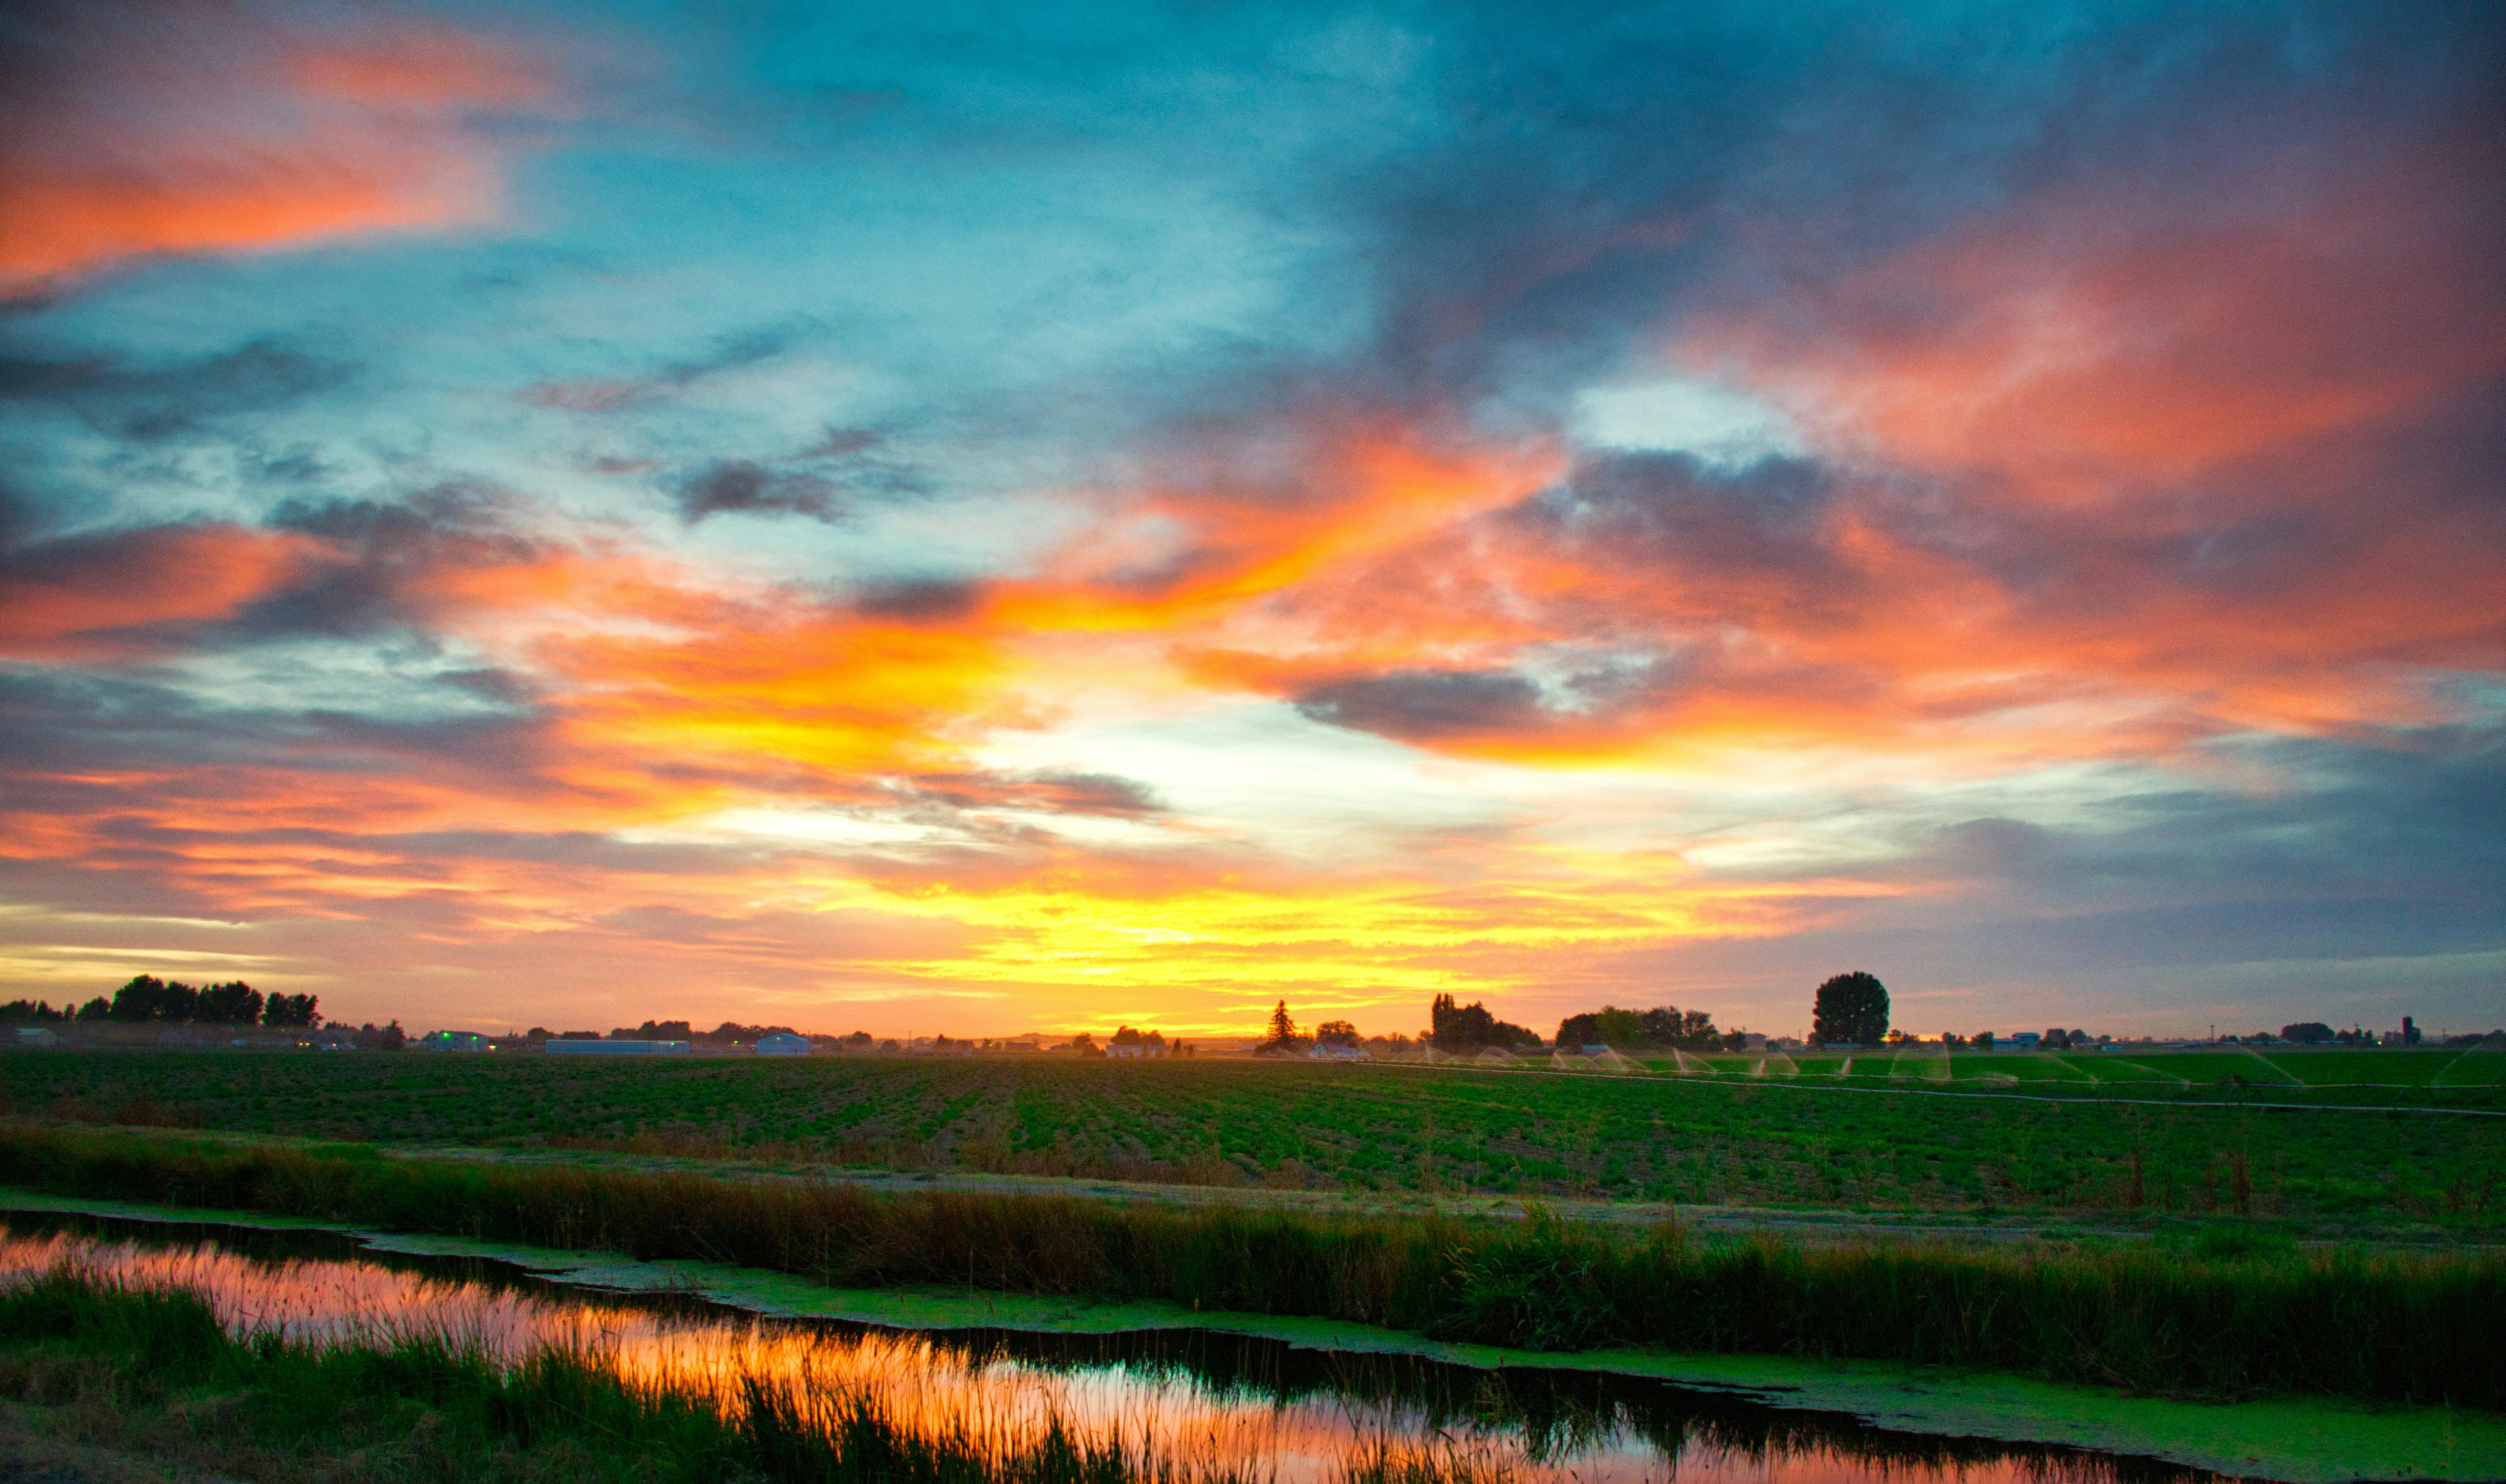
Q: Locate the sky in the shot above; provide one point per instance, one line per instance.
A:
(983, 518)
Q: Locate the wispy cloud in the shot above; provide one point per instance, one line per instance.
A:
(1639, 514)
(213, 129)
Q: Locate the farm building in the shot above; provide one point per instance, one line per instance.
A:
(783, 1043)
(618, 1048)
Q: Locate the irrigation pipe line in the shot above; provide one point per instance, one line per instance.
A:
(2006, 1097)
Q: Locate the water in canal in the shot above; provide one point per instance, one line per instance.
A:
(1186, 1404)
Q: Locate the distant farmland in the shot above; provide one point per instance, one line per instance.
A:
(2373, 1076)
(2083, 1131)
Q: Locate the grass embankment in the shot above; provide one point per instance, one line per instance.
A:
(1344, 1128)
(2188, 1322)
(152, 1373)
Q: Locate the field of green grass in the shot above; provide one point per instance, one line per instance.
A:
(2374, 1076)
(1881, 1141)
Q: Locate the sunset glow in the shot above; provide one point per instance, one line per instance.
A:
(546, 516)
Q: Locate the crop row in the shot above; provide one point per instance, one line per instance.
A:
(1699, 1141)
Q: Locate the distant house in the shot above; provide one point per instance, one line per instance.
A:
(783, 1043)
(453, 1040)
(1337, 1051)
(2028, 1041)
(1130, 1045)
(1023, 1044)
(37, 1035)
(1753, 1041)
(617, 1047)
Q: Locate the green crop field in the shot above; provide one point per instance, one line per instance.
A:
(2376, 1075)
(1868, 1139)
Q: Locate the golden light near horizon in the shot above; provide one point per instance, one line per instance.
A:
(554, 519)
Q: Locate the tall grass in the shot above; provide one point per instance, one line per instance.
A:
(153, 1371)
(2223, 1323)
(149, 1370)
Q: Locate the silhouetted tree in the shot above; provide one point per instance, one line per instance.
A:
(291, 1011)
(1469, 1027)
(1850, 1008)
(1336, 1033)
(1283, 1038)
(147, 998)
(2307, 1032)
(1666, 1026)
(231, 1003)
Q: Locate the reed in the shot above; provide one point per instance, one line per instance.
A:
(152, 1371)
(2235, 1319)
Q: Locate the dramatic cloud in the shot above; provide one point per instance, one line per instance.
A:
(1644, 506)
(172, 129)
(129, 592)
(150, 404)
(741, 487)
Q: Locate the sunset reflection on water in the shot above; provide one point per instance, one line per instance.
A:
(1170, 1419)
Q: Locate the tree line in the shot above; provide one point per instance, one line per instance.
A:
(151, 1001)
(1667, 1028)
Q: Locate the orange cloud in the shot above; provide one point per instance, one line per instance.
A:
(284, 145)
(2107, 497)
(424, 67)
(2097, 342)
(2109, 474)
(1197, 555)
(94, 597)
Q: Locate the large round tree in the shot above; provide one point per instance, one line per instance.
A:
(1850, 1008)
